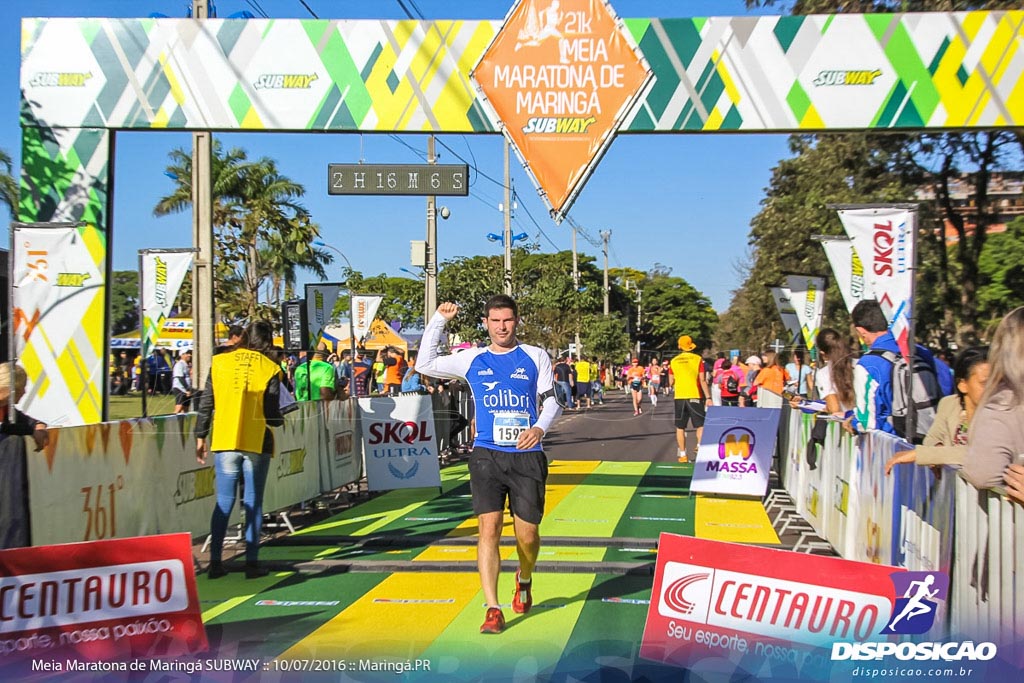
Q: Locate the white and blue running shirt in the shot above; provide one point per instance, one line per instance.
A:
(506, 386)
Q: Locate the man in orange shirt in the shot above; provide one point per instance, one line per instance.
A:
(394, 370)
(692, 393)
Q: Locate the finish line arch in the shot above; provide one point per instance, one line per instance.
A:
(82, 80)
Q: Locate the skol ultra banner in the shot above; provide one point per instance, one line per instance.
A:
(784, 304)
(105, 602)
(807, 294)
(320, 300)
(848, 270)
(162, 275)
(399, 442)
(884, 240)
(364, 310)
(735, 451)
(59, 307)
(561, 75)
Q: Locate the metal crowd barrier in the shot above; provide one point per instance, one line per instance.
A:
(917, 518)
(988, 569)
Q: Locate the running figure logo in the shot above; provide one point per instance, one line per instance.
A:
(914, 612)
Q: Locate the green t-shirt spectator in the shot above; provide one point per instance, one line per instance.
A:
(322, 375)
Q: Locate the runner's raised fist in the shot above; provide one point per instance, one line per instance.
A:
(448, 310)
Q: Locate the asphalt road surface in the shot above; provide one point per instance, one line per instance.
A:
(612, 432)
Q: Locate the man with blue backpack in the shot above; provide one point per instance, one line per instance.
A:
(880, 379)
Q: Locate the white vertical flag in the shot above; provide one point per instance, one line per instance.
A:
(784, 304)
(163, 271)
(58, 294)
(884, 240)
(320, 300)
(364, 310)
(848, 270)
(807, 294)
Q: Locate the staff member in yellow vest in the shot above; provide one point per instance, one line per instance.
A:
(240, 403)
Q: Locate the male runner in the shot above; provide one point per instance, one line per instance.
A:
(691, 391)
(508, 381)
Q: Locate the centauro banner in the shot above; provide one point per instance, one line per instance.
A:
(107, 602)
(884, 240)
(784, 304)
(59, 308)
(761, 613)
(162, 275)
(848, 270)
(561, 75)
(807, 293)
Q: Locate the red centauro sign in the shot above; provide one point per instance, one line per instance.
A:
(100, 601)
(758, 607)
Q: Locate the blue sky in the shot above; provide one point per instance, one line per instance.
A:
(683, 201)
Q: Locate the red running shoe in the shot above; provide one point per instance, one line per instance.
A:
(523, 598)
(495, 621)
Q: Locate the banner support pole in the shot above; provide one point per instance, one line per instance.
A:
(142, 334)
(911, 338)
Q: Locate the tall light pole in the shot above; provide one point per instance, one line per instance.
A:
(576, 289)
(639, 314)
(507, 277)
(430, 281)
(202, 240)
(351, 317)
(605, 236)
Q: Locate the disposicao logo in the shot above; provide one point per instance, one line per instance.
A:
(914, 613)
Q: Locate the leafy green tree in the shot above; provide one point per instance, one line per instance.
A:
(403, 297)
(672, 307)
(124, 301)
(261, 229)
(1001, 281)
(8, 184)
(605, 337)
(834, 169)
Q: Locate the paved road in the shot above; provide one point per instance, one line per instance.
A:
(612, 432)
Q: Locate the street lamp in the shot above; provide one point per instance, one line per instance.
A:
(418, 276)
(495, 237)
(351, 316)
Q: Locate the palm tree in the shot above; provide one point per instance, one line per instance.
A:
(256, 210)
(284, 253)
(8, 184)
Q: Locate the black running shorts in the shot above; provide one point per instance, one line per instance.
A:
(181, 398)
(690, 410)
(520, 477)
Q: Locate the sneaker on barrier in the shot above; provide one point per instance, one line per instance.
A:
(523, 598)
(494, 622)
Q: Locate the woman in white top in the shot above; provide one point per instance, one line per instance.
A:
(834, 378)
